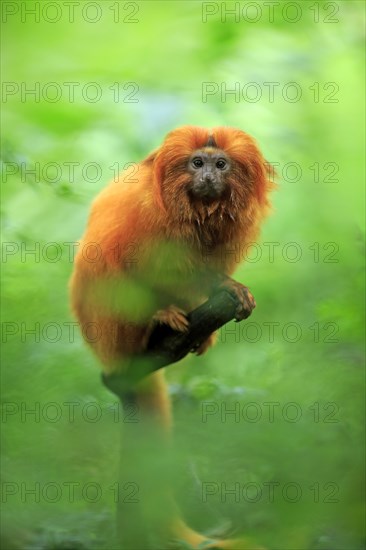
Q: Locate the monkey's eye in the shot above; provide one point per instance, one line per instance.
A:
(220, 164)
(197, 162)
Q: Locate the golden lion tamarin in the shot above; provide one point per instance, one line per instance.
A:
(162, 244)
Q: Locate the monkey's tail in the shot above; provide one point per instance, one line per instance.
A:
(154, 406)
(153, 401)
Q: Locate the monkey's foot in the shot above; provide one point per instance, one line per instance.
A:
(173, 316)
(203, 347)
(188, 539)
(243, 294)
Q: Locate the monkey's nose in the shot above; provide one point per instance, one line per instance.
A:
(208, 178)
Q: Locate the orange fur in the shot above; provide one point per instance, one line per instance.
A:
(158, 246)
(131, 220)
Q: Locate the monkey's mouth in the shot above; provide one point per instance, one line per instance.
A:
(207, 192)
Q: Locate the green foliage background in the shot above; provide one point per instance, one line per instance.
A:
(168, 54)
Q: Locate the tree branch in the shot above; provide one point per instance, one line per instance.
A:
(167, 346)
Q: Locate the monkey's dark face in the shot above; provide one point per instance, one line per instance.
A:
(209, 169)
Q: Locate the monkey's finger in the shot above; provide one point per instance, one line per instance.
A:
(173, 316)
(247, 303)
(250, 298)
(179, 321)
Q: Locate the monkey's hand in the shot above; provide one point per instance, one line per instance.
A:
(172, 316)
(241, 293)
